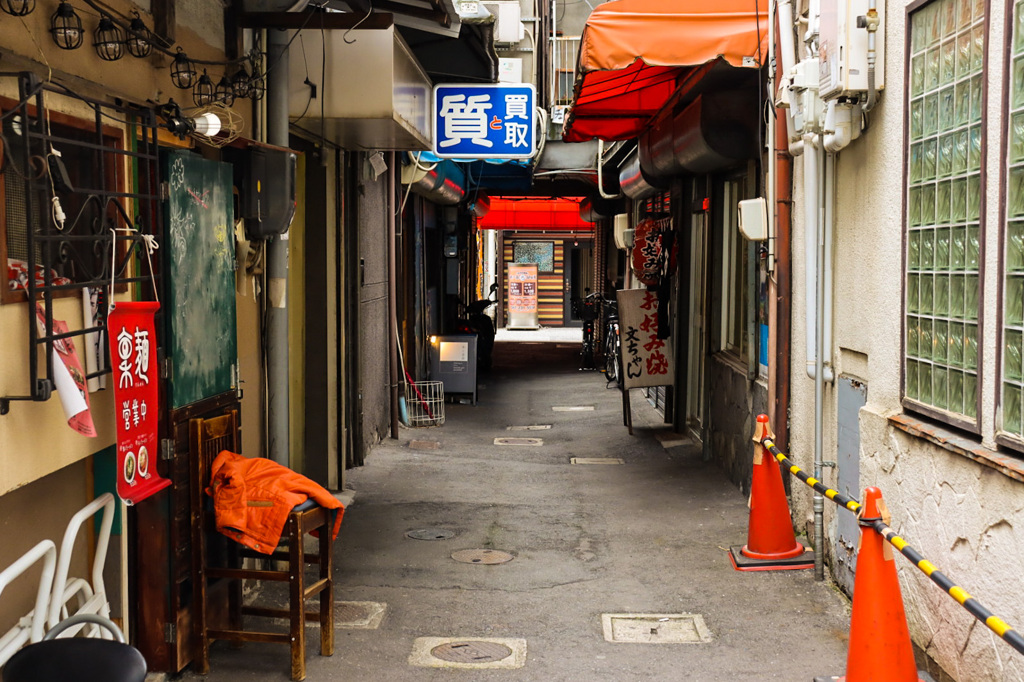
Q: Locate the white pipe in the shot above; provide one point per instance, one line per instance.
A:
(826, 265)
(787, 45)
(812, 182)
(600, 173)
(770, 184)
(838, 126)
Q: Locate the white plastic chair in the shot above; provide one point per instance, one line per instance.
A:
(30, 627)
(91, 596)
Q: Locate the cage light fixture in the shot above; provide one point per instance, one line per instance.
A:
(202, 92)
(18, 8)
(110, 41)
(257, 86)
(140, 39)
(224, 92)
(241, 82)
(183, 71)
(66, 27)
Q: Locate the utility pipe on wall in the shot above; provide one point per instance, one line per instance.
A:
(277, 265)
(392, 207)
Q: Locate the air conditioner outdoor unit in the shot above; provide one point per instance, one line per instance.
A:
(623, 235)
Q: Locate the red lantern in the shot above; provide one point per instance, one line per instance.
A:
(648, 258)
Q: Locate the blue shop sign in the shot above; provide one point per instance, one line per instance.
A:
(485, 121)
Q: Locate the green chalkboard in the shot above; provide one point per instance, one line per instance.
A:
(200, 257)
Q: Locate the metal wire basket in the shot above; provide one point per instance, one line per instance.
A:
(425, 403)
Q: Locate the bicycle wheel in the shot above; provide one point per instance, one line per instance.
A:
(611, 355)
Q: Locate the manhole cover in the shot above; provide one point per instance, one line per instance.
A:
(596, 460)
(657, 628)
(349, 612)
(431, 534)
(531, 427)
(482, 556)
(425, 445)
(519, 441)
(573, 408)
(471, 652)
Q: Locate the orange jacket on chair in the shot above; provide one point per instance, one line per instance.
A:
(252, 498)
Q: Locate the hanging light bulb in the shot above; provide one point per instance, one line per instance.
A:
(140, 39)
(183, 71)
(224, 92)
(66, 27)
(202, 93)
(241, 82)
(18, 8)
(109, 40)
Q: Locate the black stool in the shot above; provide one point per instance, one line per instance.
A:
(77, 658)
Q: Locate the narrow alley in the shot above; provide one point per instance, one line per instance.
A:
(646, 537)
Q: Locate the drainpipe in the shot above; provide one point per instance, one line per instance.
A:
(600, 173)
(278, 445)
(392, 207)
(787, 50)
(781, 283)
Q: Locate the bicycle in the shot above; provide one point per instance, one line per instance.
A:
(589, 309)
(612, 343)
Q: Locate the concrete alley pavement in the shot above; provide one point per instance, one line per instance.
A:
(648, 536)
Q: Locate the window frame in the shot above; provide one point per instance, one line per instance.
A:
(1004, 438)
(953, 419)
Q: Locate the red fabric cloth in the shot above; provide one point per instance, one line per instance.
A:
(252, 498)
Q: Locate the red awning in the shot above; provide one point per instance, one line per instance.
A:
(634, 54)
(528, 213)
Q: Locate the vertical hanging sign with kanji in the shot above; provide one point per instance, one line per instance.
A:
(646, 359)
(485, 121)
(132, 334)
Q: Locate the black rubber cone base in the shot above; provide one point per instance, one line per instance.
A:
(744, 563)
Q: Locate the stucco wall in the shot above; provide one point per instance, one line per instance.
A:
(960, 514)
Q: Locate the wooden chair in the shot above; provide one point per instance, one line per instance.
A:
(207, 438)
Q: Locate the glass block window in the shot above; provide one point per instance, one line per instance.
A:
(943, 192)
(1013, 276)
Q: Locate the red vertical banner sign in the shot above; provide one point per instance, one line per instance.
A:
(132, 334)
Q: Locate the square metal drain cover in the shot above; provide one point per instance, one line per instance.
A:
(655, 628)
(536, 442)
(358, 615)
(468, 653)
(424, 445)
(573, 408)
(531, 427)
(596, 460)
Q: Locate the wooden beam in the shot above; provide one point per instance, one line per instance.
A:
(330, 20)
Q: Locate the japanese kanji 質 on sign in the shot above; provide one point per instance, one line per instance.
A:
(132, 333)
(646, 359)
(484, 121)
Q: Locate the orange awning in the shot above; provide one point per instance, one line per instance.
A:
(634, 54)
(526, 213)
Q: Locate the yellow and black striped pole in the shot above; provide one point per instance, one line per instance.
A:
(972, 605)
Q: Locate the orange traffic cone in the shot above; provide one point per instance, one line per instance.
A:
(880, 648)
(771, 543)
